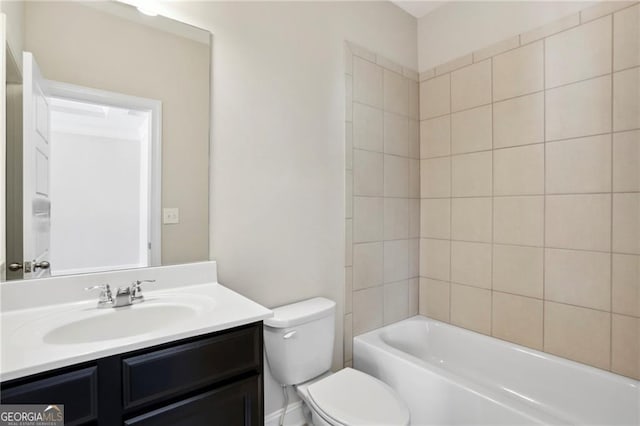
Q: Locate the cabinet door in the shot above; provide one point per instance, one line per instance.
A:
(77, 390)
(236, 404)
(170, 372)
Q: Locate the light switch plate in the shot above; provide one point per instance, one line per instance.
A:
(170, 215)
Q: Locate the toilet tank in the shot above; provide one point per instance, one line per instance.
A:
(298, 340)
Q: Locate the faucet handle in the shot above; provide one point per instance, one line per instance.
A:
(103, 287)
(136, 287)
(137, 283)
(105, 291)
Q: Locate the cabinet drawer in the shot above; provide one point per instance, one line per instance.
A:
(77, 390)
(169, 372)
(233, 405)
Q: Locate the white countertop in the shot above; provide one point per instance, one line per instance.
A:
(25, 352)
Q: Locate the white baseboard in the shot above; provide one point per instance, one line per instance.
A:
(294, 417)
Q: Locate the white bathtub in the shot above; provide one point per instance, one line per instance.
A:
(451, 376)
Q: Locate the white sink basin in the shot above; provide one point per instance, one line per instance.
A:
(81, 324)
(118, 323)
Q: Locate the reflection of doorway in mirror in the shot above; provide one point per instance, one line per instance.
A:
(104, 181)
(101, 180)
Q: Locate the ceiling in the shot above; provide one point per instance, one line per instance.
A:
(418, 8)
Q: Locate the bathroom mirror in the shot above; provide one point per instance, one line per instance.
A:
(108, 111)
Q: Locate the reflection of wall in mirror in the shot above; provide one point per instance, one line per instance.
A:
(14, 11)
(91, 48)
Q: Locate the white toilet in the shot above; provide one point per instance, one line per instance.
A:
(299, 345)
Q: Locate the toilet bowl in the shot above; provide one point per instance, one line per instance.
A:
(351, 397)
(298, 342)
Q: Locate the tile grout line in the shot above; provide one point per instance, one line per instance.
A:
(516, 245)
(384, 302)
(353, 102)
(493, 191)
(629, 68)
(544, 189)
(515, 147)
(409, 209)
(421, 309)
(611, 213)
(351, 56)
(529, 144)
(350, 246)
(410, 245)
(507, 196)
(582, 80)
(450, 198)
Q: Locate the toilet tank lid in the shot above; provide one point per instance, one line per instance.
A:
(300, 312)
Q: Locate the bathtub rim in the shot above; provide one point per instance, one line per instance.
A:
(535, 413)
(374, 336)
(505, 397)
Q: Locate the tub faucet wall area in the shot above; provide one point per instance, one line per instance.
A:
(530, 211)
(528, 224)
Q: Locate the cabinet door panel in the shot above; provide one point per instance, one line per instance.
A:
(233, 405)
(77, 390)
(168, 372)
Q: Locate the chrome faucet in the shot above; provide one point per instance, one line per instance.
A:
(125, 296)
(105, 300)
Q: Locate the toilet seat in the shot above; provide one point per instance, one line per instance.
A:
(350, 397)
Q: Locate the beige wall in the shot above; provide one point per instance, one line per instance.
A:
(278, 141)
(86, 47)
(382, 190)
(530, 189)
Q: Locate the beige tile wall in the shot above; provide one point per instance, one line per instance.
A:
(530, 190)
(383, 193)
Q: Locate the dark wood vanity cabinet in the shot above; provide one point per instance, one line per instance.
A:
(214, 379)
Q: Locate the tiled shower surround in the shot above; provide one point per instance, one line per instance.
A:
(530, 202)
(383, 194)
(529, 211)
